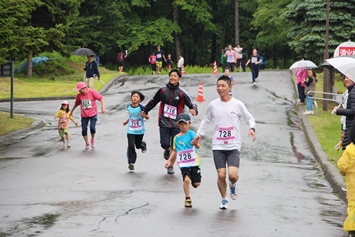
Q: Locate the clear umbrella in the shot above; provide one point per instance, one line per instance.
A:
(84, 52)
(306, 64)
(345, 65)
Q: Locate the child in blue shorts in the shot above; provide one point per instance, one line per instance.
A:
(135, 128)
(185, 152)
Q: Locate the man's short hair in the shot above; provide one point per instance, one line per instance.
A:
(225, 78)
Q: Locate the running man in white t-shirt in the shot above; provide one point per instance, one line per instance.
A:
(226, 112)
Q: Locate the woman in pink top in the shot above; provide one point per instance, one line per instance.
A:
(301, 74)
(86, 98)
(231, 57)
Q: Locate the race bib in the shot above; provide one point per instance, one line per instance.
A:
(135, 124)
(170, 111)
(158, 55)
(186, 158)
(86, 104)
(224, 135)
(254, 59)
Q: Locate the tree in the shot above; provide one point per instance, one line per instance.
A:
(308, 32)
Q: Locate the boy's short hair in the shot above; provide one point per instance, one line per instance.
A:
(227, 68)
(226, 79)
(175, 70)
(141, 96)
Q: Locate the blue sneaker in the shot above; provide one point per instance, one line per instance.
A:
(234, 191)
(224, 204)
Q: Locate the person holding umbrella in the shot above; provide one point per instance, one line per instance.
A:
(91, 72)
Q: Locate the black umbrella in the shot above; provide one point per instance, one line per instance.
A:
(84, 51)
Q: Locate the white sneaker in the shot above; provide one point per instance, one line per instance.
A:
(234, 191)
(224, 204)
(307, 112)
(254, 83)
(311, 112)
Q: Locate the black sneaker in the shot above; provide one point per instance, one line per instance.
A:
(166, 154)
(144, 147)
(131, 166)
(170, 170)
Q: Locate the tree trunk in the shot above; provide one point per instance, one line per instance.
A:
(176, 37)
(236, 20)
(29, 63)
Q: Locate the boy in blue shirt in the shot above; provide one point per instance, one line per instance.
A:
(135, 128)
(185, 152)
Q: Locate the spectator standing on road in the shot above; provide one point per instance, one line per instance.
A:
(310, 83)
(301, 74)
(180, 63)
(231, 57)
(349, 111)
(160, 56)
(169, 63)
(239, 51)
(153, 63)
(254, 61)
(135, 128)
(86, 99)
(91, 71)
(184, 150)
(120, 60)
(172, 100)
(226, 112)
(64, 116)
(346, 165)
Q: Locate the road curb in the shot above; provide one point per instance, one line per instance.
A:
(35, 125)
(330, 171)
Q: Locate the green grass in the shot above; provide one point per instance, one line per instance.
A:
(8, 124)
(327, 126)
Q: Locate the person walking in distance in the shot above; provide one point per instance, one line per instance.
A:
(153, 62)
(120, 60)
(226, 112)
(254, 61)
(180, 63)
(231, 57)
(239, 52)
(86, 99)
(172, 101)
(135, 128)
(169, 63)
(91, 71)
(185, 152)
(160, 56)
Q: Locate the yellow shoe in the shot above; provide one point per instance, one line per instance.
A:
(188, 203)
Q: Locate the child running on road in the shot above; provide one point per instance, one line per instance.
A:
(169, 63)
(135, 128)
(184, 151)
(64, 116)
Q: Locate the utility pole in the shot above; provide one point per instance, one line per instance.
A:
(326, 72)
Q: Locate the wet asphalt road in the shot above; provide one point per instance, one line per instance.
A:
(46, 190)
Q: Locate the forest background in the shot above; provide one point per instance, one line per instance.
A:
(283, 30)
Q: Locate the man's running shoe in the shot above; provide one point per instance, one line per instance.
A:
(92, 143)
(170, 170)
(166, 154)
(234, 191)
(144, 147)
(188, 202)
(131, 166)
(87, 146)
(224, 204)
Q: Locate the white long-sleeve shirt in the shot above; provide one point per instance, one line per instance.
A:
(226, 117)
(180, 62)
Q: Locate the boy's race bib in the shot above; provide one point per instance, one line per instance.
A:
(170, 111)
(186, 158)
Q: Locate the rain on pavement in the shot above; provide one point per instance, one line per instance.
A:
(46, 190)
